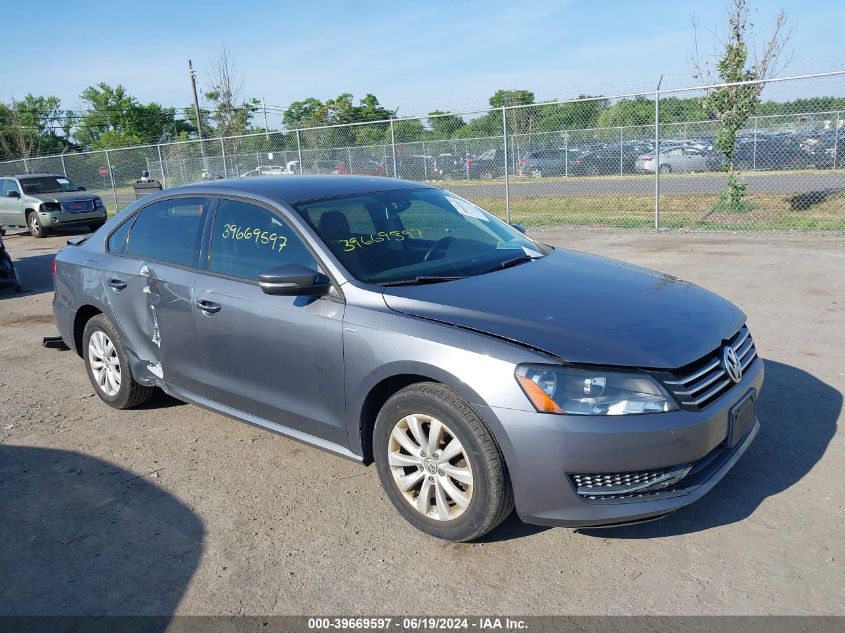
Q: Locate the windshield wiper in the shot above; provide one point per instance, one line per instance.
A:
(515, 261)
(422, 279)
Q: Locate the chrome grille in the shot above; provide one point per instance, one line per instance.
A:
(78, 206)
(707, 380)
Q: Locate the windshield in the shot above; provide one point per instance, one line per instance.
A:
(415, 236)
(47, 184)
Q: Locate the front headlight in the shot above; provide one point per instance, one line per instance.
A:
(98, 203)
(584, 391)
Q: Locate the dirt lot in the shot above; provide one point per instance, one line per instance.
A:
(174, 509)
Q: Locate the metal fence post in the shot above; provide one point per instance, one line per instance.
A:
(507, 179)
(299, 151)
(836, 141)
(161, 162)
(393, 146)
(566, 153)
(620, 150)
(25, 165)
(111, 176)
(223, 155)
(657, 155)
(754, 154)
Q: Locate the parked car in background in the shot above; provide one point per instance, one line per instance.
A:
(42, 202)
(490, 164)
(771, 153)
(361, 168)
(415, 167)
(450, 166)
(549, 162)
(392, 322)
(677, 159)
(613, 159)
(292, 167)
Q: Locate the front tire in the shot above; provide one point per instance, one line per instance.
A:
(439, 465)
(35, 226)
(107, 364)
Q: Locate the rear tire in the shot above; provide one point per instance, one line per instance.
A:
(107, 364)
(665, 168)
(459, 485)
(35, 226)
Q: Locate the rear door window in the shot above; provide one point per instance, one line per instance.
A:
(170, 231)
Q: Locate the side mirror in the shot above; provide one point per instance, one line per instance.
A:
(293, 279)
(519, 227)
(13, 194)
(80, 188)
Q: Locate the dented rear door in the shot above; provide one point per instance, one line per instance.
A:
(149, 288)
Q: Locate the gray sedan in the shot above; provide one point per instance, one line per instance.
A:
(396, 323)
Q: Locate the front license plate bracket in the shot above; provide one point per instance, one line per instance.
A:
(741, 418)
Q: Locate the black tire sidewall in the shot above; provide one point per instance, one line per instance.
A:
(404, 403)
(102, 323)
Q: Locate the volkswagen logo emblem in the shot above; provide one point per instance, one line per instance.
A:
(731, 363)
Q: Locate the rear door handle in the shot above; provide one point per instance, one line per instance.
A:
(209, 307)
(117, 284)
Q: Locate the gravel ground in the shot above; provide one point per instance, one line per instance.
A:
(172, 509)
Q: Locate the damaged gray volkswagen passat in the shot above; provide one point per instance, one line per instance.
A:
(392, 322)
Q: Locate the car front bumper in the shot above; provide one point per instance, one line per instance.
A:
(543, 452)
(63, 218)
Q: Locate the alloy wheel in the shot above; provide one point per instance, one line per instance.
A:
(430, 467)
(105, 363)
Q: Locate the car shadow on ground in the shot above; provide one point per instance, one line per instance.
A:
(81, 536)
(798, 415)
(34, 274)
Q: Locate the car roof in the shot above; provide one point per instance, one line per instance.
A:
(292, 189)
(31, 175)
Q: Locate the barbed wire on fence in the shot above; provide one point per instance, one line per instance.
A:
(592, 161)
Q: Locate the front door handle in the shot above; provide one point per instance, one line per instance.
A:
(117, 284)
(209, 307)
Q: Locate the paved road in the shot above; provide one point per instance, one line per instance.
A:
(172, 509)
(783, 183)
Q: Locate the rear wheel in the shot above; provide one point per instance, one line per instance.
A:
(108, 368)
(439, 465)
(35, 226)
(665, 168)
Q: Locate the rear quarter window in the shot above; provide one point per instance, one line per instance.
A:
(119, 238)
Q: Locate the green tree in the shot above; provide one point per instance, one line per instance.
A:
(443, 124)
(232, 114)
(114, 118)
(733, 105)
(30, 126)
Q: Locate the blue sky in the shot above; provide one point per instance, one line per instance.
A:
(416, 56)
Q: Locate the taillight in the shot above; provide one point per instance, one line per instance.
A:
(577, 161)
(647, 158)
(53, 268)
(469, 164)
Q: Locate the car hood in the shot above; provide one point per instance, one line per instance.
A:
(63, 196)
(583, 309)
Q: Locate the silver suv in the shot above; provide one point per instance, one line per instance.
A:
(42, 202)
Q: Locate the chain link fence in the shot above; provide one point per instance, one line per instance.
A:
(646, 160)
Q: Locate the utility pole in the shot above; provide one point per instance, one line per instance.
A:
(266, 127)
(193, 75)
